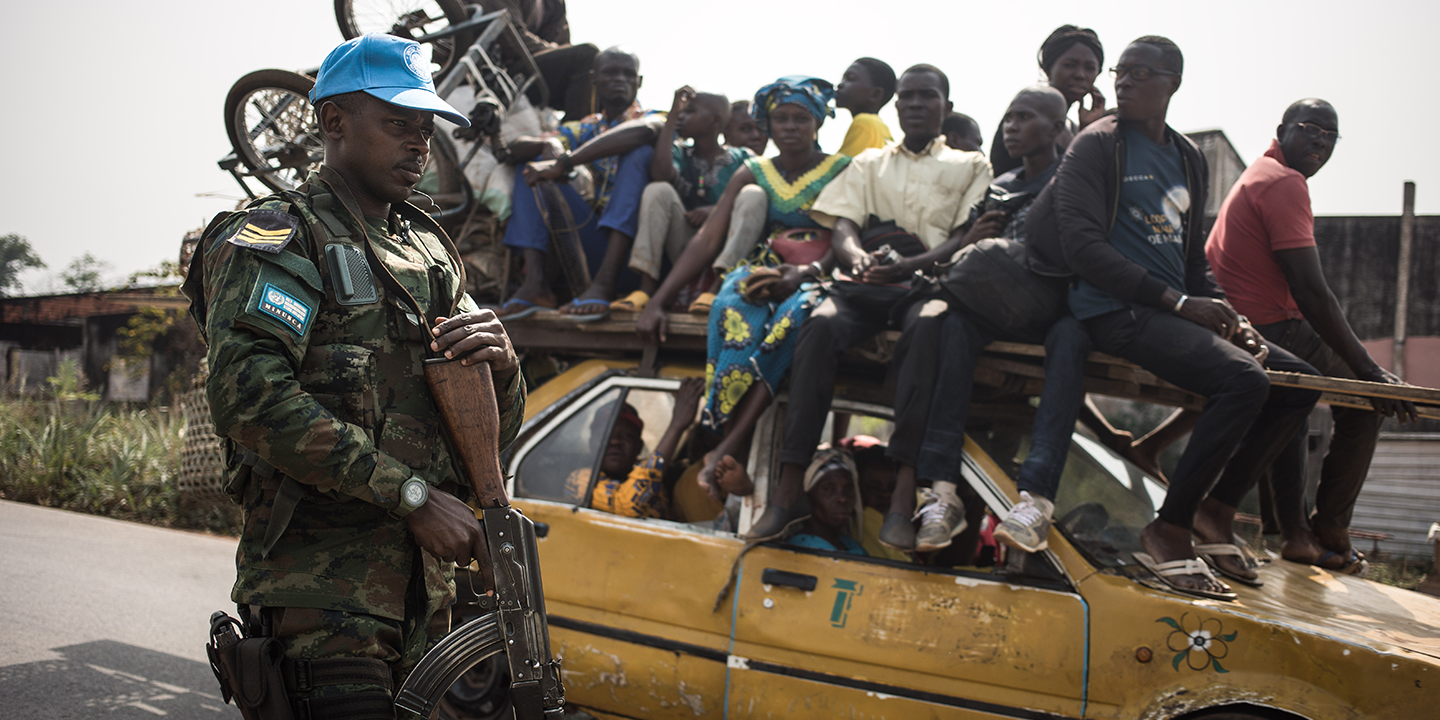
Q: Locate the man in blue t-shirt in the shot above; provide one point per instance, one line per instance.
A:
(1123, 214)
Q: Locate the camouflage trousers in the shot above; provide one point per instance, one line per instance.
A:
(321, 634)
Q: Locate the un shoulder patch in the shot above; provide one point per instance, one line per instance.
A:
(293, 312)
(265, 230)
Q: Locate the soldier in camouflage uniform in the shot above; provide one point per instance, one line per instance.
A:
(319, 307)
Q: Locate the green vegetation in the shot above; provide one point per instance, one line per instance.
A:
(68, 450)
(16, 255)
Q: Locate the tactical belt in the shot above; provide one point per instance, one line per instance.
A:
(302, 676)
(369, 705)
(285, 500)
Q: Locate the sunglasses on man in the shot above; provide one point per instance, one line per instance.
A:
(1138, 73)
(1315, 132)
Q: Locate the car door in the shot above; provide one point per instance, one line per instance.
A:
(824, 634)
(629, 600)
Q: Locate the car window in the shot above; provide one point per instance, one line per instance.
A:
(1103, 501)
(559, 466)
(544, 470)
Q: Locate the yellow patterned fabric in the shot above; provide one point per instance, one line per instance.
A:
(640, 495)
(790, 202)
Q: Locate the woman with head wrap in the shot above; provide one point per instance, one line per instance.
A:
(833, 487)
(769, 288)
(1071, 59)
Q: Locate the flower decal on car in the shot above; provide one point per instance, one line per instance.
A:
(1202, 647)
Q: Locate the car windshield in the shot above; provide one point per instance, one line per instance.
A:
(1103, 501)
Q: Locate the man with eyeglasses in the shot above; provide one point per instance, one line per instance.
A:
(1123, 214)
(1263, 251)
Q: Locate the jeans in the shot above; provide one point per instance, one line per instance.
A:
(961, 342)
(851, 314)
(1351, 446)
(1245, 424)
(527, 228)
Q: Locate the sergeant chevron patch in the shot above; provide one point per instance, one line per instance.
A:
(265, 230)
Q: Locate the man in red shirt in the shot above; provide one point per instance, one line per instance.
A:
(1263, 252)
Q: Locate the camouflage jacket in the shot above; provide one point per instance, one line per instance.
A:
(331, 394)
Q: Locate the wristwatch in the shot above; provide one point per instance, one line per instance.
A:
(413, 493)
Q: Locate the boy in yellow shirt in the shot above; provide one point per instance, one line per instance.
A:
(865, 88)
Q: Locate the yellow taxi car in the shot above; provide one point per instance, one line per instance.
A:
(1076, 631)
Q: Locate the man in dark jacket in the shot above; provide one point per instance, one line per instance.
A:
(1124, 215)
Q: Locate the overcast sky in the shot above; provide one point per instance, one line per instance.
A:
(115, 108)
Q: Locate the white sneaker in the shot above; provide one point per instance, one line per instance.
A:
(941, 518)
(1027, 527)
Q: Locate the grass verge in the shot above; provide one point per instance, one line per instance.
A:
(71, 451)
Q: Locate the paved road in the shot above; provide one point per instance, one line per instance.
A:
(107, 619)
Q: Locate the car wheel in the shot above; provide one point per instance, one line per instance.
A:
(482, 693)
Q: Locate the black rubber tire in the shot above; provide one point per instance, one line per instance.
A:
(272, 127)
(482, 693)
(358, 17)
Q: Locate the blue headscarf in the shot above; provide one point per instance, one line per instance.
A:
(811, 93)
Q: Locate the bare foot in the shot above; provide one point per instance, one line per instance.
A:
(594, 301)
(1304, 548)
(1215, 523)
(1334, 539)
(730, 475)
(1166, 543)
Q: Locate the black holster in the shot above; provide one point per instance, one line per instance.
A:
(254, 672)
(249, 670)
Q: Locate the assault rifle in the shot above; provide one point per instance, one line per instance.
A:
(465, 397)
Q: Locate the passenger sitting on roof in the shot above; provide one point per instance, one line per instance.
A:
(616, 144)
(768, 294)
(686, 182)
(1263, 251)
(742, 131)
(962, 132)
(867, 86)
(1146, 293)
(627, 487)
(1071, 58)
(1031, 123)
(912, 200)
(831, 483)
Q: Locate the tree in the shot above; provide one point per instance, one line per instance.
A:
(15, 257)
(83, 274)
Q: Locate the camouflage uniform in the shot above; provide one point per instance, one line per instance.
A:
(334, 396)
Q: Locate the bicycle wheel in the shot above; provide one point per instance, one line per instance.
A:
(273, 128)
(409, 19)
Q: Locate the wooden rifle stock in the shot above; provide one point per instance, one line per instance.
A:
(465, 397)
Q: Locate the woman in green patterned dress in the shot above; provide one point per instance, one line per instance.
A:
(753, 339)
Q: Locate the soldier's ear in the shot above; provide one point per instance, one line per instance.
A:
(332, 120)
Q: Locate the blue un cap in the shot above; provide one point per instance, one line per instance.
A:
(385, 67)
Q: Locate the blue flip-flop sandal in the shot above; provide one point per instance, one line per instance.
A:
(591, 317)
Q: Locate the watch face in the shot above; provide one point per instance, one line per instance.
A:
(414, 493)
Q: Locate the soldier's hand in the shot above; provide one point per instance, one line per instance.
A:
(448, 529)
(476, 337)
